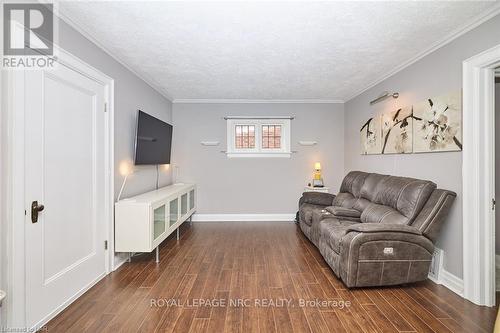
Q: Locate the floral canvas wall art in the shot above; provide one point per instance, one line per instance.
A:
(438, 124)
(433, 125)
(397, 131)
(371, 136)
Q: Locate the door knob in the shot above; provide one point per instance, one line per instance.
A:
(35, 209)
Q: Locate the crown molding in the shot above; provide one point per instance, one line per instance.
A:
(470, 25)
(149, 81)
(257, 101)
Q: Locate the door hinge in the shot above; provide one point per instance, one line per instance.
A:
(493, 204)
(105, 107)
(105, 244)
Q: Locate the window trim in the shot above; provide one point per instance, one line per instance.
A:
(258, 151)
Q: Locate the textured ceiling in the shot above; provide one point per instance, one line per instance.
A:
(281, 51)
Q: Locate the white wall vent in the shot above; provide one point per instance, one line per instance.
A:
(436, 264)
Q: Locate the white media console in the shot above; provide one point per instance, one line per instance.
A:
(144, 221)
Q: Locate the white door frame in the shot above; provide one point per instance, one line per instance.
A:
(14, 224)
(478, 174)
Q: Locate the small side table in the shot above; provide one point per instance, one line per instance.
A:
(317, 189)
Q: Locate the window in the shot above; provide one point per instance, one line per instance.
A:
(258, 137)
(245, 136)
(271, 136)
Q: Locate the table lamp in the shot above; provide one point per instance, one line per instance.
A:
(317, 180)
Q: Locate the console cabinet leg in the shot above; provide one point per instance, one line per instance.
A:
(177, 233)
(157, 254)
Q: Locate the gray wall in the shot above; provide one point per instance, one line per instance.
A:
(435, 74)
(256, 185)
(131, 94)
(497, 164)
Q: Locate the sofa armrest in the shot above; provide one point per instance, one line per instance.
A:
(374, 254)
(317, 198)
(384, 227)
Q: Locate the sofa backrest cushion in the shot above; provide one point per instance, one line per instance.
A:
(344, 199)
(406, 195)
(361, 204)
(353, 182)
(376, 213)
(369, 189)
(399, 200)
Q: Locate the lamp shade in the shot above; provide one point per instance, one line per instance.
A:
(125, 168)
(317, 166)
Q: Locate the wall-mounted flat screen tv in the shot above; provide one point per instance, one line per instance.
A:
(153, 142)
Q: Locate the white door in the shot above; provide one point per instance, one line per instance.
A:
(65, 172)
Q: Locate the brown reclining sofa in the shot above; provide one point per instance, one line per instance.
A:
(379, 230)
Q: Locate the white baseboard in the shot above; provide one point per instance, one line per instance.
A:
(433, 279)
(452, 282)
(243, 217)
(445, 278)
(119, 261)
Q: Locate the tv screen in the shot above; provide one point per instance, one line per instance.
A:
(153, 142)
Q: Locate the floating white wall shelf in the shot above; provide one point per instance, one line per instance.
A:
(308, 143)
(210, 143)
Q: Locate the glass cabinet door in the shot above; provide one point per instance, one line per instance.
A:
(191, 199)
(159, 221)
(174, 211)
(184, 204)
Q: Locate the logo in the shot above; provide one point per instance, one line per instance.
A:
(28, 36)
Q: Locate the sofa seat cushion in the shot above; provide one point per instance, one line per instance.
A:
(332, 230)
(306, 212)
(344, 212)
(319, 214)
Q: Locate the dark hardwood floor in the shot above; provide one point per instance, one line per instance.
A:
(257, 263)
